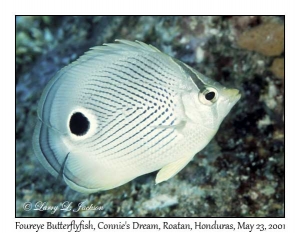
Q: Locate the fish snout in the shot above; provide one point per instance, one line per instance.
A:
(232, 95)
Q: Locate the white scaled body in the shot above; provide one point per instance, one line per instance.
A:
(123, 110)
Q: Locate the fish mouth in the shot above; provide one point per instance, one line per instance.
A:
(236, 95)
(232, 95)
(229, 99)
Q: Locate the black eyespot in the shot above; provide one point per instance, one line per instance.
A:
(210, 95)
(79, 124)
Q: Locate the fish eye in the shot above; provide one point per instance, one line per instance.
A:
(79, 124)
(208, 96)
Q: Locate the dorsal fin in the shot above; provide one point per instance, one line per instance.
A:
(114, 50)
(118, 48)
(133, 45)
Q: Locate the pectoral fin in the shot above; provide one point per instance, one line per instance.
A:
(178, 127)
(172, 169)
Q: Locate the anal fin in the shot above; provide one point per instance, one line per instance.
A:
(172, 169)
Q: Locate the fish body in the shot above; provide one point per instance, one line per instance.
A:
(123, 110)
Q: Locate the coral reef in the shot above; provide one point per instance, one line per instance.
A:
(267, 39)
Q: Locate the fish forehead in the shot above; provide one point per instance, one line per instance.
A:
(198, 79)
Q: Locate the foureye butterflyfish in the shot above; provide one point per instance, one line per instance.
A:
(123, 110)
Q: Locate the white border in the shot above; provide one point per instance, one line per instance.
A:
(10, 8)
